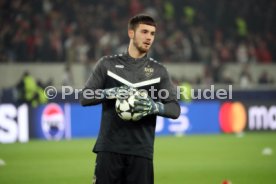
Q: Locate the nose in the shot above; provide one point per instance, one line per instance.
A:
(149, 37)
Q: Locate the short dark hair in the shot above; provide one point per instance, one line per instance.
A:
(141, 19)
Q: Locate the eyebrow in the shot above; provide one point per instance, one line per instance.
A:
(148, 30)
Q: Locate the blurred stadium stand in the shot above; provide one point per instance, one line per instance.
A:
(202, 42)
(195, 73)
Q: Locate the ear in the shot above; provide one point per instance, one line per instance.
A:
(131, 33)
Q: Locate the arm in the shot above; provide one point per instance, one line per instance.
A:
(87, 100)
(171, 105)
(94, 91)
(92, 94)
(100, 95)
(171, 110)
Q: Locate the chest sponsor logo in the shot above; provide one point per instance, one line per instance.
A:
(148, 71)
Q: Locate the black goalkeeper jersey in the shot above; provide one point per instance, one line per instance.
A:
(130, 137)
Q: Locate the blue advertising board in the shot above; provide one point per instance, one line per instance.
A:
(50, 121)
(85, 121)
(58, 121)
(195, 118)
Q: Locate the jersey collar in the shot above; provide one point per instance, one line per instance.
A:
(131, 59)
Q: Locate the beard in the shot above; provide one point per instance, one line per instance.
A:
(140, 48)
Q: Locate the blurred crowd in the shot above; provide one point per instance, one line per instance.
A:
(188, 31)
(212, 32)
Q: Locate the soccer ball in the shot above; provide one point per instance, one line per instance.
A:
(124, 107)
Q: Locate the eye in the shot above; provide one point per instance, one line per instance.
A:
(144, 31)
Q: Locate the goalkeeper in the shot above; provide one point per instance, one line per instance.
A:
(125, 149)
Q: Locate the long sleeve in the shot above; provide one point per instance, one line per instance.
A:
(171, 105)
(171, 110)
(92, 93)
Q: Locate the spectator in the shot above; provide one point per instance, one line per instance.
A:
(30, 91)
(265, 78)
(242, 53)
(34, 31)
(263, 53)
(245, 79)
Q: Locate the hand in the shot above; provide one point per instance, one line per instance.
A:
(146, 106)
(121, 92)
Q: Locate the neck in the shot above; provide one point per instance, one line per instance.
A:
(134, 52)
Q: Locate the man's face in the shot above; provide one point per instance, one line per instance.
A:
(143, 37)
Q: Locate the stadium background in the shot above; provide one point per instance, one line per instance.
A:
(202, 43)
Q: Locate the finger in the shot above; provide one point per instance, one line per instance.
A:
(141, 115)
(140, 108)
(138, 117)
(140, 102)
(144, 114)
(139, 97)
